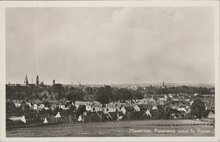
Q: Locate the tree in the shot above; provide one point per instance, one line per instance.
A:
(89, 91)
(124, 94)
(137, 94)
(10, 107)
(75, 94)
(9, 92)
(104, 94)
(198, 108)
(59, 91)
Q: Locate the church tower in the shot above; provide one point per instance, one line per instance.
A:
(26, 80)
(163, 86)
(37, 80)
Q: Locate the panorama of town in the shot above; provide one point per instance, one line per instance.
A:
(36, 103)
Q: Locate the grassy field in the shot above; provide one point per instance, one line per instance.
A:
(145, 128)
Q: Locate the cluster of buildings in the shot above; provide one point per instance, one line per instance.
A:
(181, 105)
(179, 108)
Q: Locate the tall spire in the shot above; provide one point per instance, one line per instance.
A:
(37, 80)
(163, 86)
(26, 80)
(54, 82)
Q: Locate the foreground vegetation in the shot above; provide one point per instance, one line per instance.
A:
(142, 128)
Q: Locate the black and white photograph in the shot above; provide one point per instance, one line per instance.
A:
(110, 71)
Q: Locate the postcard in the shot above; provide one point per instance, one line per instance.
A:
(109, 70)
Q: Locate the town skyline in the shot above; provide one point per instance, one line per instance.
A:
(38, 82)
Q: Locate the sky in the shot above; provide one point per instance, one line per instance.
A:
(110, 45)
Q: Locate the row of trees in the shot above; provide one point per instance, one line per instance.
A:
(103, 94)
(56, 92)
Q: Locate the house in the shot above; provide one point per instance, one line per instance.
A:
(161, 101)
(137, 108)
(17, 104)
(211, 114)
(112, 109)
(148, 113)
(88, 108)
(143, 101)
(96, 108)
(53, 106)
(41, 106)
(34, 107)
(29, 104)
(154, 108)
(182, 109)
(45, 120)
(62, 106)
(123, 110)
(57, 115)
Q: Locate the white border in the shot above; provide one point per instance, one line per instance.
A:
(6, 4)
(217, 71)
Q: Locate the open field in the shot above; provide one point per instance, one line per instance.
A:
(121, 128)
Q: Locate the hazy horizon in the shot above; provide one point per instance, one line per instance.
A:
(110, 45)
(101, 84)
